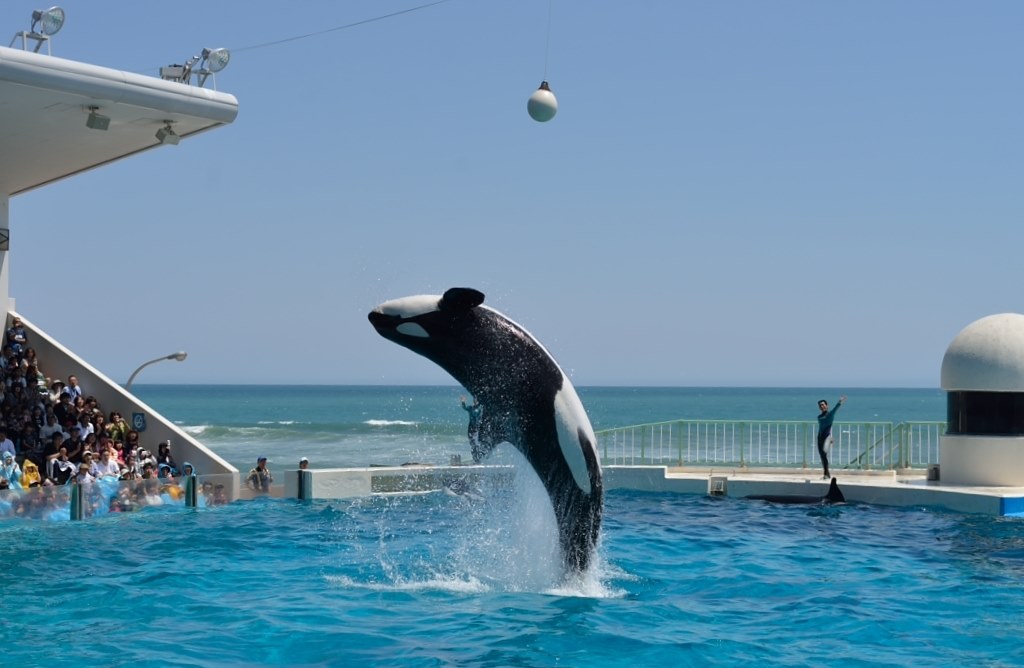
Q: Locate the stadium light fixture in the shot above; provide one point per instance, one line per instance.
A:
(206, 64)
(48, 21)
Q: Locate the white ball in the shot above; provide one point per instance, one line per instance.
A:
(542, 105)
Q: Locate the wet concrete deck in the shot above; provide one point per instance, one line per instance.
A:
(910, 488)
(887, 488)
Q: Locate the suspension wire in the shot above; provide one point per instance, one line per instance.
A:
(409, 10)
(342, 27)
(547, 45)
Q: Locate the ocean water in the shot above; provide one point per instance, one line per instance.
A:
(363, 425)
(445, 580)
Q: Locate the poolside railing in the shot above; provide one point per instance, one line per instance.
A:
(772, 443)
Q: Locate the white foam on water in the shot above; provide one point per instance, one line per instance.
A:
(389, 423)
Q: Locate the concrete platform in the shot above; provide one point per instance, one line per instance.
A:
(886, 488)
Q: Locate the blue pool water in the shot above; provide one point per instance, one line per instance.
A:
(445, 580)
(438, 580)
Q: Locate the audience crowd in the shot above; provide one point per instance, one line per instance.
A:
(52, 433)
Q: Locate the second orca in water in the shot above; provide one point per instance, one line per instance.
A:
(834, 495)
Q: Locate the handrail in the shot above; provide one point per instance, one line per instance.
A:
(863, 456)
(790, 443)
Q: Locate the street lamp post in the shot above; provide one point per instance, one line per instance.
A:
(178, 356)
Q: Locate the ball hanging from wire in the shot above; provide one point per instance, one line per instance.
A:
(542, 105)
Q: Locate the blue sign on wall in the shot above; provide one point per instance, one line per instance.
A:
(139, 421)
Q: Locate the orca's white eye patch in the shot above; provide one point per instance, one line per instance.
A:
(412, 329)
(410, 307)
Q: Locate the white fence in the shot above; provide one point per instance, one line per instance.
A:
(857, 445)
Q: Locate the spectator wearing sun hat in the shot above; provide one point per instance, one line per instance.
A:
(259, 478)
(303, 463)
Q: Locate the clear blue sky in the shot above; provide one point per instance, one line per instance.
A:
(776, 193)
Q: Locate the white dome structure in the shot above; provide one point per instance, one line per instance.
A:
(983, 376)
(987, 355)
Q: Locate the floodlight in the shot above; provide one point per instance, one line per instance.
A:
(166, 135)
(97, 121)
(50, 21)
(210, 61)
(215, 59)
(44, 24)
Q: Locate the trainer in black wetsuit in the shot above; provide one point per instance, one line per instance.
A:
(825, 419)
(473, 431)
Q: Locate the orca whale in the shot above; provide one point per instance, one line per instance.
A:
(834, 495)
(527, 400)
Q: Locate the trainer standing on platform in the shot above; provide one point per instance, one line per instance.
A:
(473, 430)
(825, 418)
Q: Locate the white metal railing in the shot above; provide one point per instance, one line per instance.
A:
(857, 445)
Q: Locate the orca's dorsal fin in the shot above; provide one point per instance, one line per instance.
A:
(835, 495)
(461, 299)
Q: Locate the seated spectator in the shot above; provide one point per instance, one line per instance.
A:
(220, 496)
(29, 445)
(171, 492)
(164, 456)
(15, 378)
(56, 389)
(53, 448)
(85, 424)
(17, 338)
(91, 444)
(36, 381)
(92, 406)
(29, 357)
(61, 468)
(152, 496)
(38, 416)
(83, 476)
(99, 424)
(187, 470)
(89, 464)
(259, 478)
(130, 470)
(131, 442)
(51, 427)
(145, 458)
(8, 360)
(117, 448)
(206, 493)
(73, 388)
(75, 445)
(30, 474)
(10, 471)
(117, 428)
(65, 410)
(6, 444)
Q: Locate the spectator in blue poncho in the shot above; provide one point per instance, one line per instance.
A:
(10, 471)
